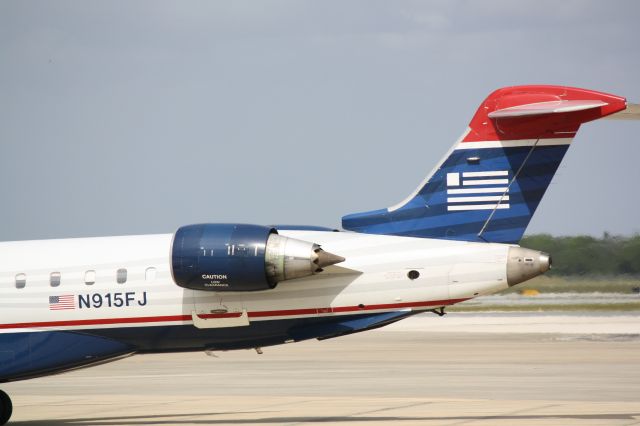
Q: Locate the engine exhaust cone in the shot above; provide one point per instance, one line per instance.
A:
(325, 258)
(289, 258)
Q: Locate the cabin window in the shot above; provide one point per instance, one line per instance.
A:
(54, 279)
(90, 277)
(121, 276)
(150, 274)
(21, 280)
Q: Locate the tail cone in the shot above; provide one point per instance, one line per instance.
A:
(524, 264)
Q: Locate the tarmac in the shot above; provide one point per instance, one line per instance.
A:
(462, 369)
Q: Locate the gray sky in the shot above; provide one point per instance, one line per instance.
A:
(128, 117)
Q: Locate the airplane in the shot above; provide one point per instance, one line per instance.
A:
(72, 303)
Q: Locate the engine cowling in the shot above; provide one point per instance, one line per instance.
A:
(240, 257)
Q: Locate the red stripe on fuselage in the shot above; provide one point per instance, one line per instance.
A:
(258, 314)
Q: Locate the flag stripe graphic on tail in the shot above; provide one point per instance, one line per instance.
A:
(455, 180)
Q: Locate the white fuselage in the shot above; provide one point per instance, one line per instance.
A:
(373, 278)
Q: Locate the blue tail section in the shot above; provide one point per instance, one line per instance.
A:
(487, 194)
(490, 184)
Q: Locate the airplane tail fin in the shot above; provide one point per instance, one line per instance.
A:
(489, 184)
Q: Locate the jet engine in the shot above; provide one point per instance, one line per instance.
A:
(239, 257)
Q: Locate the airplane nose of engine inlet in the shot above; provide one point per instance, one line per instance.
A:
(524, 264)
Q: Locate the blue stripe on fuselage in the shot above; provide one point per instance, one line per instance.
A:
(32, 354)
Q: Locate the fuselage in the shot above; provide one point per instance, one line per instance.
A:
(122, 289)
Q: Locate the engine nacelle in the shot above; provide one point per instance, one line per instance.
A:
(237, 257)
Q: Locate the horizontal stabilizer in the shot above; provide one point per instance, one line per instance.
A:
(551, 107)
(632, 112)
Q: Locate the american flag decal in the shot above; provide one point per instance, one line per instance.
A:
(478, 190)
(58, 303)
